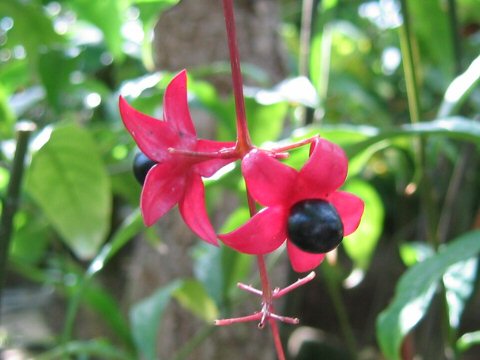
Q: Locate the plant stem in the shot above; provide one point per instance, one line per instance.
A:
(186, 351)
(412, 84)
(305, 37)
(340, 310)
(411, 78)
(243, 136)
(456, 41)
(10, 205)
(243, 146)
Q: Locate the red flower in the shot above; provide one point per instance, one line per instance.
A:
(279, 187)
(172, 144)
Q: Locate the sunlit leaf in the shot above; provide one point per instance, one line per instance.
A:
(459, 89)
(415, 290)
(459, 281)
(361, 244)
(296, 91)
(6, 114)
(32, 28)
(108, 16)
(145, 318)
(456, 127)
(150, 11)
(70, 184)
(192, 296)
(415, 252)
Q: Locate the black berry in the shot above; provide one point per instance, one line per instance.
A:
(141, 165)
(315, 226)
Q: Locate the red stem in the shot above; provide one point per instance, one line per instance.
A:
(244, 143)
(243, 146)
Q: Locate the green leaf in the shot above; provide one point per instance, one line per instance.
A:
(415, 252)
(192, 296)
(100, 349)
(361, 244)
(468, 340)
(108, 16)
(145, 318)
(265, 121)
(207, 268)
(70, 184)
(456, 127)
(430, 17)
(131, 226)
(415, 290)
(108, 309)
(6, 114)
(150, 11)
(459, 89)
(55, 69)
(30, 238)
(459, 281)
(32, 27)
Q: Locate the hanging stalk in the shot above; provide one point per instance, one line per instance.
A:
(244, 145)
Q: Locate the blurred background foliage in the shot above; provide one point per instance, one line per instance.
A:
(393, 82)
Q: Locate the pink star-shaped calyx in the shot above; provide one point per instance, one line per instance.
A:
(181, 160)
(279, 188)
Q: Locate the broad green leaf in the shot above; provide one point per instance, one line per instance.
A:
(459, 89)
(145, 318)
(193, 296)
(55, 69)
(361, 244)
(70, 184)
(415, 290)
(458, 280)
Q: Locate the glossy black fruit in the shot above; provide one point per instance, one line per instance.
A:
(315, 226)
(141, 165)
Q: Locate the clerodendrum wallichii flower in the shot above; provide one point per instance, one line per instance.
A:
(176, 178)
(280, 188)
(303, 207)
